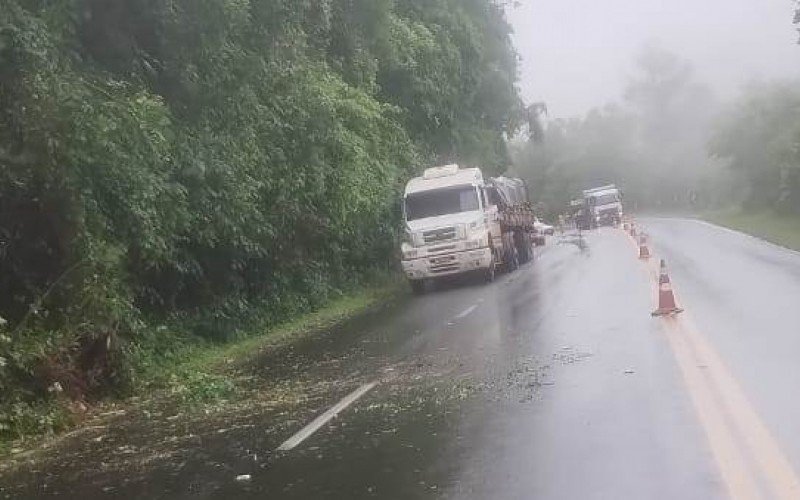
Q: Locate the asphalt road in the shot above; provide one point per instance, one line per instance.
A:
(553, 382)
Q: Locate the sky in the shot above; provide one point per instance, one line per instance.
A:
(578, 54)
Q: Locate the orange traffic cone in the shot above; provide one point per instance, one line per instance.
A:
(644, 252)
(666, 299)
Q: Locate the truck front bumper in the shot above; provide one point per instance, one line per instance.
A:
(608, 219)
(447, 264)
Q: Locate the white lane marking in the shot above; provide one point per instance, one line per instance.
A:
(326, 417)
(466, 312)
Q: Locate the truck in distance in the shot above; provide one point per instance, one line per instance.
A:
(604, 205)
(457, 222)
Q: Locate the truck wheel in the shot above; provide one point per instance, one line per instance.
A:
(512, 263)
(524, 248)
(524, 255)
(417, 286)
(488, 274)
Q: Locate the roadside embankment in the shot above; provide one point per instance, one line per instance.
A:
(196, 376)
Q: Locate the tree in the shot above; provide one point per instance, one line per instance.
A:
(759, 137)
(220, 160)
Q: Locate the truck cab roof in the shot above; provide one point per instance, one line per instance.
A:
(610, 188)
(444, 176)
(603, 192)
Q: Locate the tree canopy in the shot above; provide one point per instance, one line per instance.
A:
(203, 157)
(759, 138)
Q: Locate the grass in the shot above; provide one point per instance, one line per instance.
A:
(776, 228)
(194, 373)
(199, 372)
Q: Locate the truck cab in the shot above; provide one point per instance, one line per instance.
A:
(604, 205)
(448, 225)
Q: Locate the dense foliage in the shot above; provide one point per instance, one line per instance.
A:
(201, 159)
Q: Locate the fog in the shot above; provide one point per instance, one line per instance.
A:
(577, 54)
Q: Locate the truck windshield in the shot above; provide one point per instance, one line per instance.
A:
(443, 201)
(606, 199)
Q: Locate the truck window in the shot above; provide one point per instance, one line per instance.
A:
(443, 201)
(494, 197)
(606, 199)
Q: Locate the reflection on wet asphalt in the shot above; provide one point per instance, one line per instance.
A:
(552, 382)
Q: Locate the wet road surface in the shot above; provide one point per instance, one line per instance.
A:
(552, 382)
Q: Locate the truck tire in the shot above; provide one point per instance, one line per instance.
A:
(488, 274)
(523, 244)
(418, 287)
(512, 261)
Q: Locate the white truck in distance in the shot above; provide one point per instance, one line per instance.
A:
(604, 204)
(455, 224)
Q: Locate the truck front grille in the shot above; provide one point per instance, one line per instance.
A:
(441, 248)
(443, 264)
(439, 235)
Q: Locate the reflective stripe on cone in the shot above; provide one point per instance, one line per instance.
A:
(666, 299)
(644, 252)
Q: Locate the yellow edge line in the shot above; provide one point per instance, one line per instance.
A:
(773, 463)
(714, 382)
(730, 461)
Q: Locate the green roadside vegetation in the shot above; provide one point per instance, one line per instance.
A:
(186, 172)
(171, 362)
(781, 229)
(200, 371)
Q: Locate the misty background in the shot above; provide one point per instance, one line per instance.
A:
(686, 105)
(577, 54)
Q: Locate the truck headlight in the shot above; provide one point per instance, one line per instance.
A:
(476, 225)
(408, 251)
(413, 239)
(474, 243)
(477, 239)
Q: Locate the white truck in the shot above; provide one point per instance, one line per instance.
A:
(604, 205)
(456, 222)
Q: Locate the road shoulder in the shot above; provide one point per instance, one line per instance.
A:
(200, 387)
